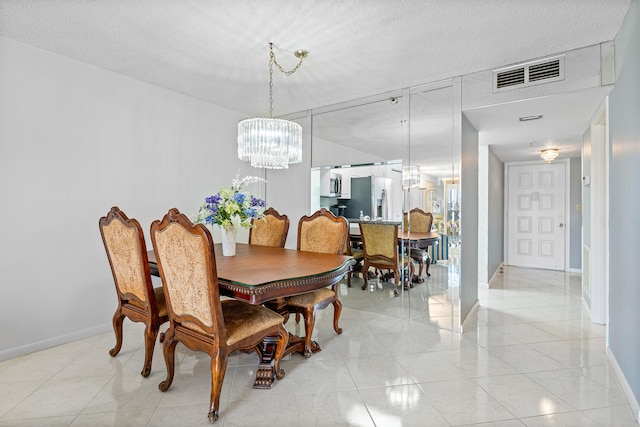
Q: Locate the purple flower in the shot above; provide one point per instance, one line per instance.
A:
(257, 202)
(215, 199)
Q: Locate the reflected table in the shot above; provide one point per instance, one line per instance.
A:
(410, 239)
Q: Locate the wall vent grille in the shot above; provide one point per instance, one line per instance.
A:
(510, 78)
(531, 73)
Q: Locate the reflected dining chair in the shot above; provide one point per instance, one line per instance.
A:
(137, 298)
(321, 232)
(380, 245)
(358, 256)
(271, 231)
(197, 317)
(419, 221)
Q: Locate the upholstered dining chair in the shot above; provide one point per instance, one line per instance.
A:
(271, 230)
(358, 256)
(197, 317)
(380, 244)
(419, 221)
(321, 232)
(137, 298)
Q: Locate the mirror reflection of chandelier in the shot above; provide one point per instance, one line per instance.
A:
(410, 176)
(267, 142)
(549, 154)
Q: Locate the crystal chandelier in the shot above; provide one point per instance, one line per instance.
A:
(267, 142)
(411, 176)
(549, 154)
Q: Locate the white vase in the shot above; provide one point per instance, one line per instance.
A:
(228, 241)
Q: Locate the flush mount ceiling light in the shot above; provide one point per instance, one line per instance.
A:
(529, 118)
(549, 154)
(267, 142)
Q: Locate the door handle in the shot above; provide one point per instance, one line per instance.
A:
(561, 225)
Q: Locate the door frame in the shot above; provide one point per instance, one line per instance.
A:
(599, 242)
(567, 201)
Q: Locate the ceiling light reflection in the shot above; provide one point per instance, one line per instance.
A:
(404, 397)
(547, 406)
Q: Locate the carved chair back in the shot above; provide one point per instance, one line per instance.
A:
(323, 232)
(380, 244)
(186, 262)
(418, 221)
(127, 253)
(271, 231)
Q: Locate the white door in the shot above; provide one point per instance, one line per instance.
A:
(536, 216)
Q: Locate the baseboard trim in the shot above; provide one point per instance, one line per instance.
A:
(52, 342)
(586, 306)
(466, 320)
(498, 270)
(633, 401)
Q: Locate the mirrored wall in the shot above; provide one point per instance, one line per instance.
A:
(359, 151)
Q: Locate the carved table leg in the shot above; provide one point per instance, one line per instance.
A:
(265, 374)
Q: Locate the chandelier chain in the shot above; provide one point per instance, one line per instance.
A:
(286, 73)
(271, 86)
(272, 61)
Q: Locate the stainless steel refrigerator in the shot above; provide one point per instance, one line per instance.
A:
(369, 195)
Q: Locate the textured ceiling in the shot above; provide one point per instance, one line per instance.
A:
(217, 51)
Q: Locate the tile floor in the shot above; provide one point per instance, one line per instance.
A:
(530, 358)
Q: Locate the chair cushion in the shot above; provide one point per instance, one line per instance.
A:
(310, 299)
(419, 254)
(357, 254)
(243, 320)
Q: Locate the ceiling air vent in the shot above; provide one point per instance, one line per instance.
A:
(528, 74)
(510, 78)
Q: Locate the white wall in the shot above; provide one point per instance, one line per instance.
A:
(495, 215)
(575, 214)
(483, 214)
(289, 190)
(469, 219)
(74, 141)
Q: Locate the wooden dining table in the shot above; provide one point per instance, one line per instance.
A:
(260, 274)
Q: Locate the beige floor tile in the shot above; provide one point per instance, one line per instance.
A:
(377, 371)
(344, 408)
(124, 418)
(404, 405)
(578, 390)
(57, 398)
(569, 419)
(525, 358)
(522, 396)
(464, 402)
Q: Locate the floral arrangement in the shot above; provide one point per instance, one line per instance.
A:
(231, 206)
